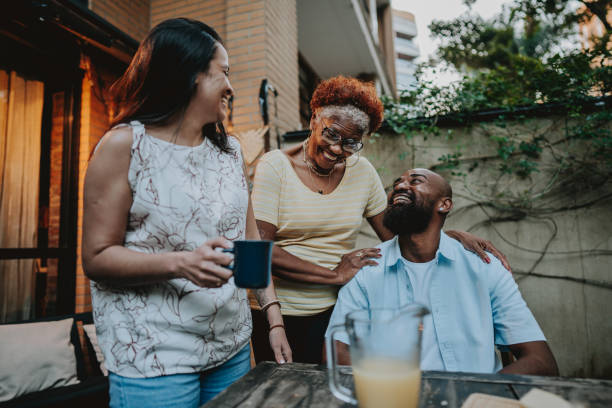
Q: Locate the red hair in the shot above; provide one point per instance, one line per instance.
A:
(341, 91)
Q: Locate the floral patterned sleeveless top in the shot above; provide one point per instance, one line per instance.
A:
(182, 196)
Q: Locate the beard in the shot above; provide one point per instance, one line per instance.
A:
(402, 219)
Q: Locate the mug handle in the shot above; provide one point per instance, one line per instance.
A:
(340, 391)
(231, 250)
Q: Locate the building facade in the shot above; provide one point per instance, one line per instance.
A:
(406, 50)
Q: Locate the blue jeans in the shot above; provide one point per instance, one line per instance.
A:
(177, 390)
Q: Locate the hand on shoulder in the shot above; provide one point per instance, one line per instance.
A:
(354, 261)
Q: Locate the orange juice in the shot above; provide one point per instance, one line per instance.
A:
(386, 383)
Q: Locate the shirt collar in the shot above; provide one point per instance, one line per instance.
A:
(446, 247)
(445, 250)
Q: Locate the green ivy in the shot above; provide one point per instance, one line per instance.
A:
(577, 86)
(570, 82)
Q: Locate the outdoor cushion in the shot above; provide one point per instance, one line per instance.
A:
(35, 357)
(90, 330)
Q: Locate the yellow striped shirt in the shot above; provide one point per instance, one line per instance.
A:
(317, 228)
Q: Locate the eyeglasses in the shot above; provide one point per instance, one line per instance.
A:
(348, 145)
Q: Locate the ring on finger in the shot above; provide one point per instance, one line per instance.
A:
(359, 254)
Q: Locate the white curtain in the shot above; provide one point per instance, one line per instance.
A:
(21, 104)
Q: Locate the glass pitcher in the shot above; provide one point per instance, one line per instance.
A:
(385, 348)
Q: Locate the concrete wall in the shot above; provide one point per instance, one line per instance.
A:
(574, 316)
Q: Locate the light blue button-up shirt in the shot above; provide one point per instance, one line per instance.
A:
(474, 305)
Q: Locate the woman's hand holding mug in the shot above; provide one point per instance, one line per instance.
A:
(206, 267)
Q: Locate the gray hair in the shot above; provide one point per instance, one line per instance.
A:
(358, 116)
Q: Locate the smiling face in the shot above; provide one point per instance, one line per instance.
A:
(213, 88)
(416, 196)
(323, 154)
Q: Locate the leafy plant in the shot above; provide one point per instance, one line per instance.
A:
(511, 66)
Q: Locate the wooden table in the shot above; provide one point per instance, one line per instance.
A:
(305, 385)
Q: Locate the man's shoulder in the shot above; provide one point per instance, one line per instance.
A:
(373, 272)
(389, 251)
(385, 245)
(469, 263)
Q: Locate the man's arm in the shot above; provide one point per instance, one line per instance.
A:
(351, 297)
(532, 357)
(515, 326)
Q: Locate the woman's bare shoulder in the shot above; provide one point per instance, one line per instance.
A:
(116, 141)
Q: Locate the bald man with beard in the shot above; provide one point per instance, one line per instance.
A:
(474, 306)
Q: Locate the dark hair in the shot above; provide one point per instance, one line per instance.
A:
(160, 80)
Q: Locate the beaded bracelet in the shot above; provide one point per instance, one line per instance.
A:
(275, 326)
(270, 303)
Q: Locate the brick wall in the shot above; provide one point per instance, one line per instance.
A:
(260, 36)
(82, 295)
(94, 123)
(212, 12)
(261, 39)
(282, 61)
(131, 16)
(246, 46)
(55, 191)
(262, 43)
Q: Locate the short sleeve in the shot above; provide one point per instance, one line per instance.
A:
(351, 297)
(266, 193)
(513, 322)
(377, 199)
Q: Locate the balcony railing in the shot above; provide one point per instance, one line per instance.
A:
(403, 66)
(406, 47)
(404, 26)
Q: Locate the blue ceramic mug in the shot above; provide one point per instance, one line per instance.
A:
(252, 264)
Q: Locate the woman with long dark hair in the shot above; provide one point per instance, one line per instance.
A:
(164, 189)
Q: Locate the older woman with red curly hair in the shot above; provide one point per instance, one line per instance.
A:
(311, 199)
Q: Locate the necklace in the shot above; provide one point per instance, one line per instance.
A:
(312, 169)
